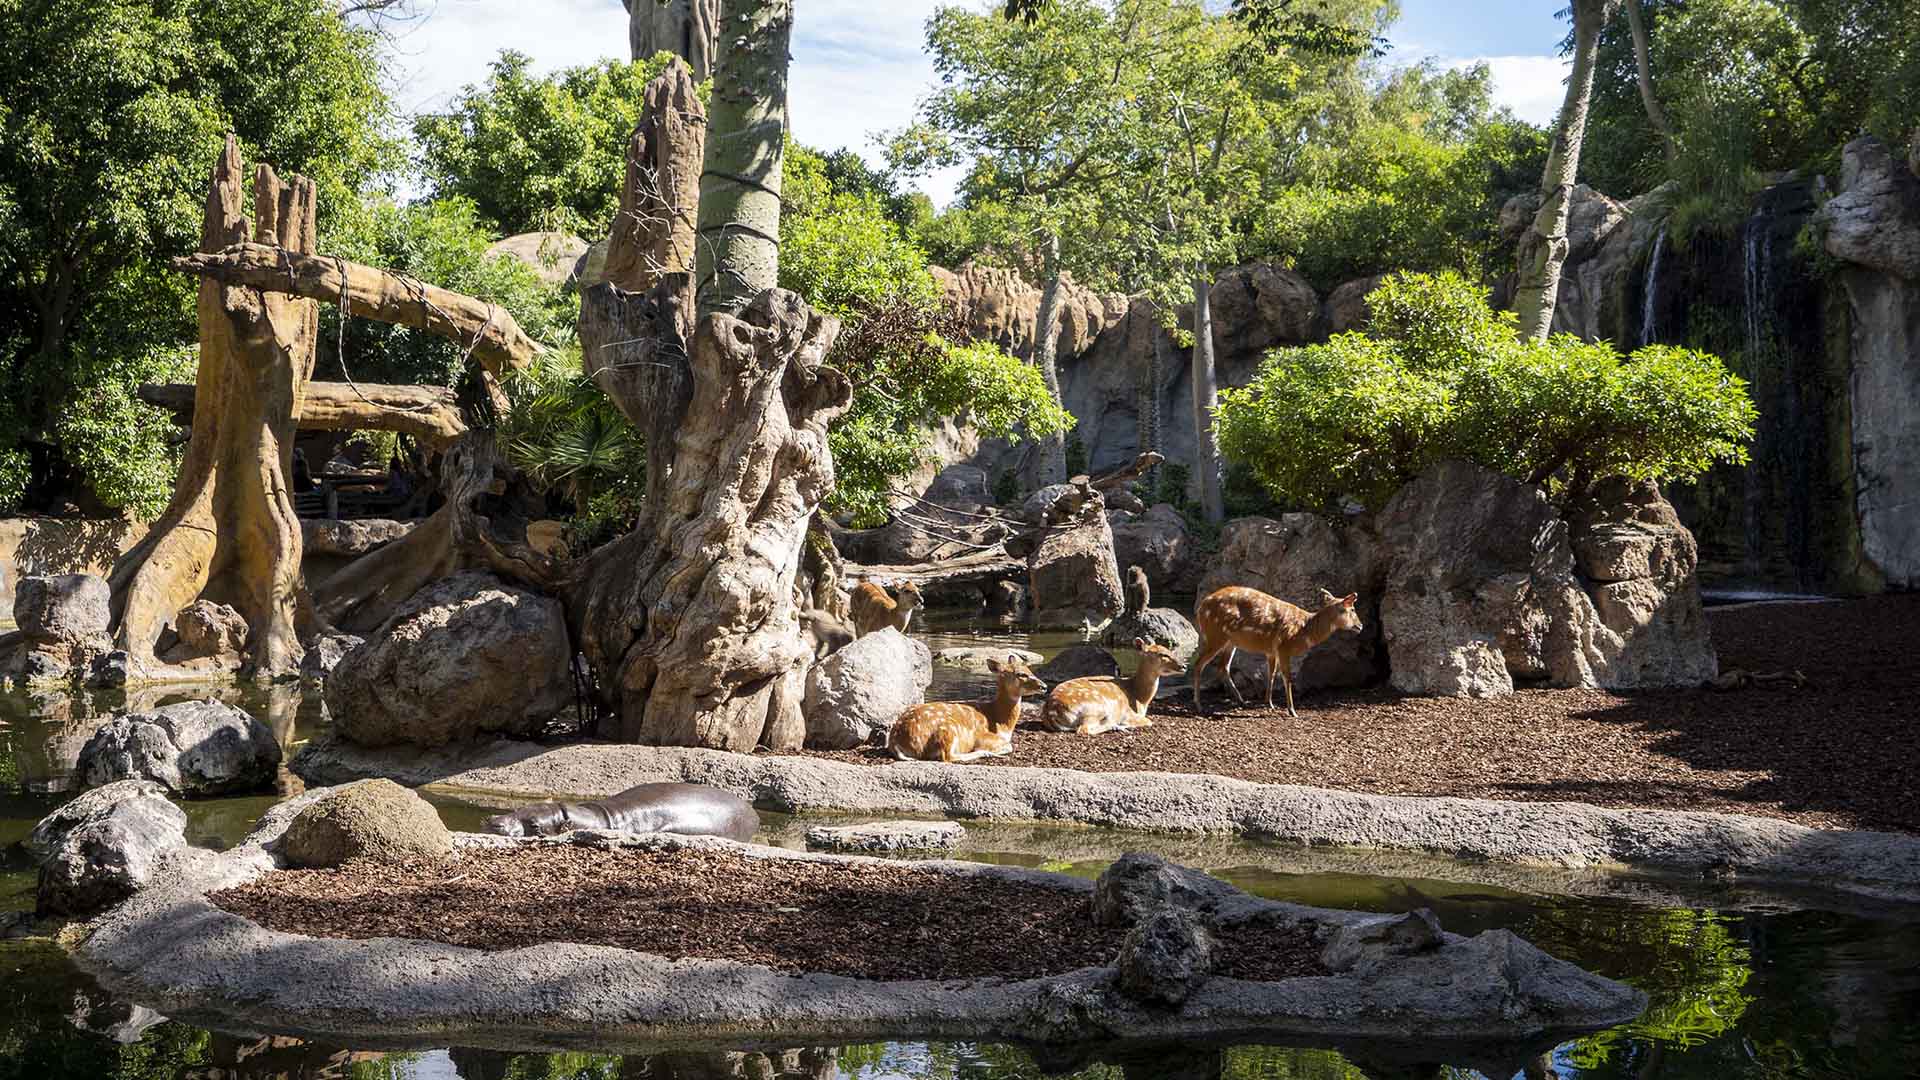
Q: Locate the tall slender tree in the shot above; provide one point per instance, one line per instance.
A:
(1543, 247)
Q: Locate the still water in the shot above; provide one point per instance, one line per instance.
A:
(1741, 987)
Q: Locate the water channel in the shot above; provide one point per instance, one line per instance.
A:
(1742, 985)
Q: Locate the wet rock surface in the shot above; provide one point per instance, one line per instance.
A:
(886, 836)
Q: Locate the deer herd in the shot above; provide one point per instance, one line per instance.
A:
(1228, 619)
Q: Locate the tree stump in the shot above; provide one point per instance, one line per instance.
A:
(229, 534)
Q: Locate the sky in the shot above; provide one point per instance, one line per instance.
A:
(858, 68)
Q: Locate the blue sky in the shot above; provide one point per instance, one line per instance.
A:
(858, 67)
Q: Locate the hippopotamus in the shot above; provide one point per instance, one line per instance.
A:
(687, 809)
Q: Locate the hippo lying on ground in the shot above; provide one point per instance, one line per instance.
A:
(688, 809)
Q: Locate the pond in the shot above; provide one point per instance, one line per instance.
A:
(1809, 985)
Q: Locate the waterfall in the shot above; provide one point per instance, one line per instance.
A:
(1651, 291)
(1757, 239)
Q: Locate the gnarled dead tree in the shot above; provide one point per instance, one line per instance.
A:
(428, 413)
(230, 534)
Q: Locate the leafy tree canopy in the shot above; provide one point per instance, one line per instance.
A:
(1441, 375)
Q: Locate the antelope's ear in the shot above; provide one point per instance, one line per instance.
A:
(995, 666)
(1140, 643)
(1327, 597)
(1350, 599)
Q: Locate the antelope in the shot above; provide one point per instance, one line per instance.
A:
(1102, 703)
(830, 635)
(873, 609)
(954, 731)
(1237, 617)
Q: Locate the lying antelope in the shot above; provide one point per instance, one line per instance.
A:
(873, 609)
(1237, 617)
(1101, 703)
(953, 731)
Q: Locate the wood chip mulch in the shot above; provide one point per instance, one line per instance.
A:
(1841, 752)
(883, 922)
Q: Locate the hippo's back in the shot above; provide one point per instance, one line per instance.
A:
(686, 809)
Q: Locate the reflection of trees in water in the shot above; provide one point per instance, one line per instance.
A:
(812, 1063)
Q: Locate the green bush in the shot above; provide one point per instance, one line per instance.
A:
(1441, 375)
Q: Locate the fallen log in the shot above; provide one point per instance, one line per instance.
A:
(978, 569)
(486, 329)
(428, 413)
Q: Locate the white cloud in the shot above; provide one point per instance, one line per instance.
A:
(1532, 86)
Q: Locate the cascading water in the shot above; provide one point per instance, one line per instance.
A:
(1757, 239)
(1651, 292)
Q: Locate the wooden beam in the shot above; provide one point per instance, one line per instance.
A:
(428, 413)
(372, 293)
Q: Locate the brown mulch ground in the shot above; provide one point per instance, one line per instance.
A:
(1843, 752)
(885, 921)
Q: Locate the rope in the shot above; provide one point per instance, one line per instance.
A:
(346, 312)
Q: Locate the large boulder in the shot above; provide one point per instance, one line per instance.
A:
(207, 629)
(1157, 542)
(350, 537)
(1158, 626)
(552, 256)
(1346, 307)
(1165, 957)
(70, 609)
(371, 819)
(1638, 564)
(468, 656)
(1297, 557)
(855, 695)
(1073, 578)
(104, 846)
(324, 654)
(192, 747)
(1077, 662)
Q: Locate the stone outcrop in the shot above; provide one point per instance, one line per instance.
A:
(854, 696)
(324, 653)
(1297, 556)
(205, 629)
(1873, 224)
(1346, 306)
(350, 538)
(1158, 543)
(552, 256)
(1073, 580)
(1638, 563)
(466, 657)
(1164, 958)
(193, 748)
(68, 609)
(887, 836)
(372, 819)
(1158, 626)
(104, 846)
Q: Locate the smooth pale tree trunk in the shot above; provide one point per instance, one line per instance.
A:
(686, 28)
(1543, 247)
(1206, 394)
(737, 250)
(1643, 70)
(1157, 368)
(1046, 347)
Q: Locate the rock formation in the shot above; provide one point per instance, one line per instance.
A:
(192, 747)
(372, 819)
(104, 846)
(854, 696)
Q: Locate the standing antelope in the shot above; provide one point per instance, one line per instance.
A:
(952, 731)
(873, 609)
(1100, 703)
(1237, 617)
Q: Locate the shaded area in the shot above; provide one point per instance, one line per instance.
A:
(1838, 753)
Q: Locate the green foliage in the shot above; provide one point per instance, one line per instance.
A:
(1441, 375)
(125, 449)
(444, 243)
(111, 115)
(570, 439)
(538, 152)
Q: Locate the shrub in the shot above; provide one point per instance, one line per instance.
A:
(1441, 375)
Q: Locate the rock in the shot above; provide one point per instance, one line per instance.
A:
(1874, 220)
(103, 850)
(121, 1021)
(1073, 578)
(1297, 556)
(324, 654)
(998, 305)
(207, 629)
(1075, 662)
(1482, 587)
(350, 538)
(372, 819)
(1137, 885)
(550, 255)
(70, 609)
(855, 695)
(192, 747)
(887, 836)
(1259, 305)
(1370, 943)
(1346, 306)
(960, 487)
(1639, 563)
(974, 658)
(468, 656)
(1159, 626)
(93, 804)
(1164, 958)
(1600, 254)
(1006, 603)
(1159, 543)
(110, 671)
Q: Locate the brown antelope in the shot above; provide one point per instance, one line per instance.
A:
(954, 731)
(1101, 703)
(873, 609)
(1237, 617)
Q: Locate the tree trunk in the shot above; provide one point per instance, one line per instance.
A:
(1046, 345)
(1543, 247)
(1643, 70)
(738, 255)
(1206, 394)
(686, 28)
(230, 534)
(1161, 362)
(428, 413)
